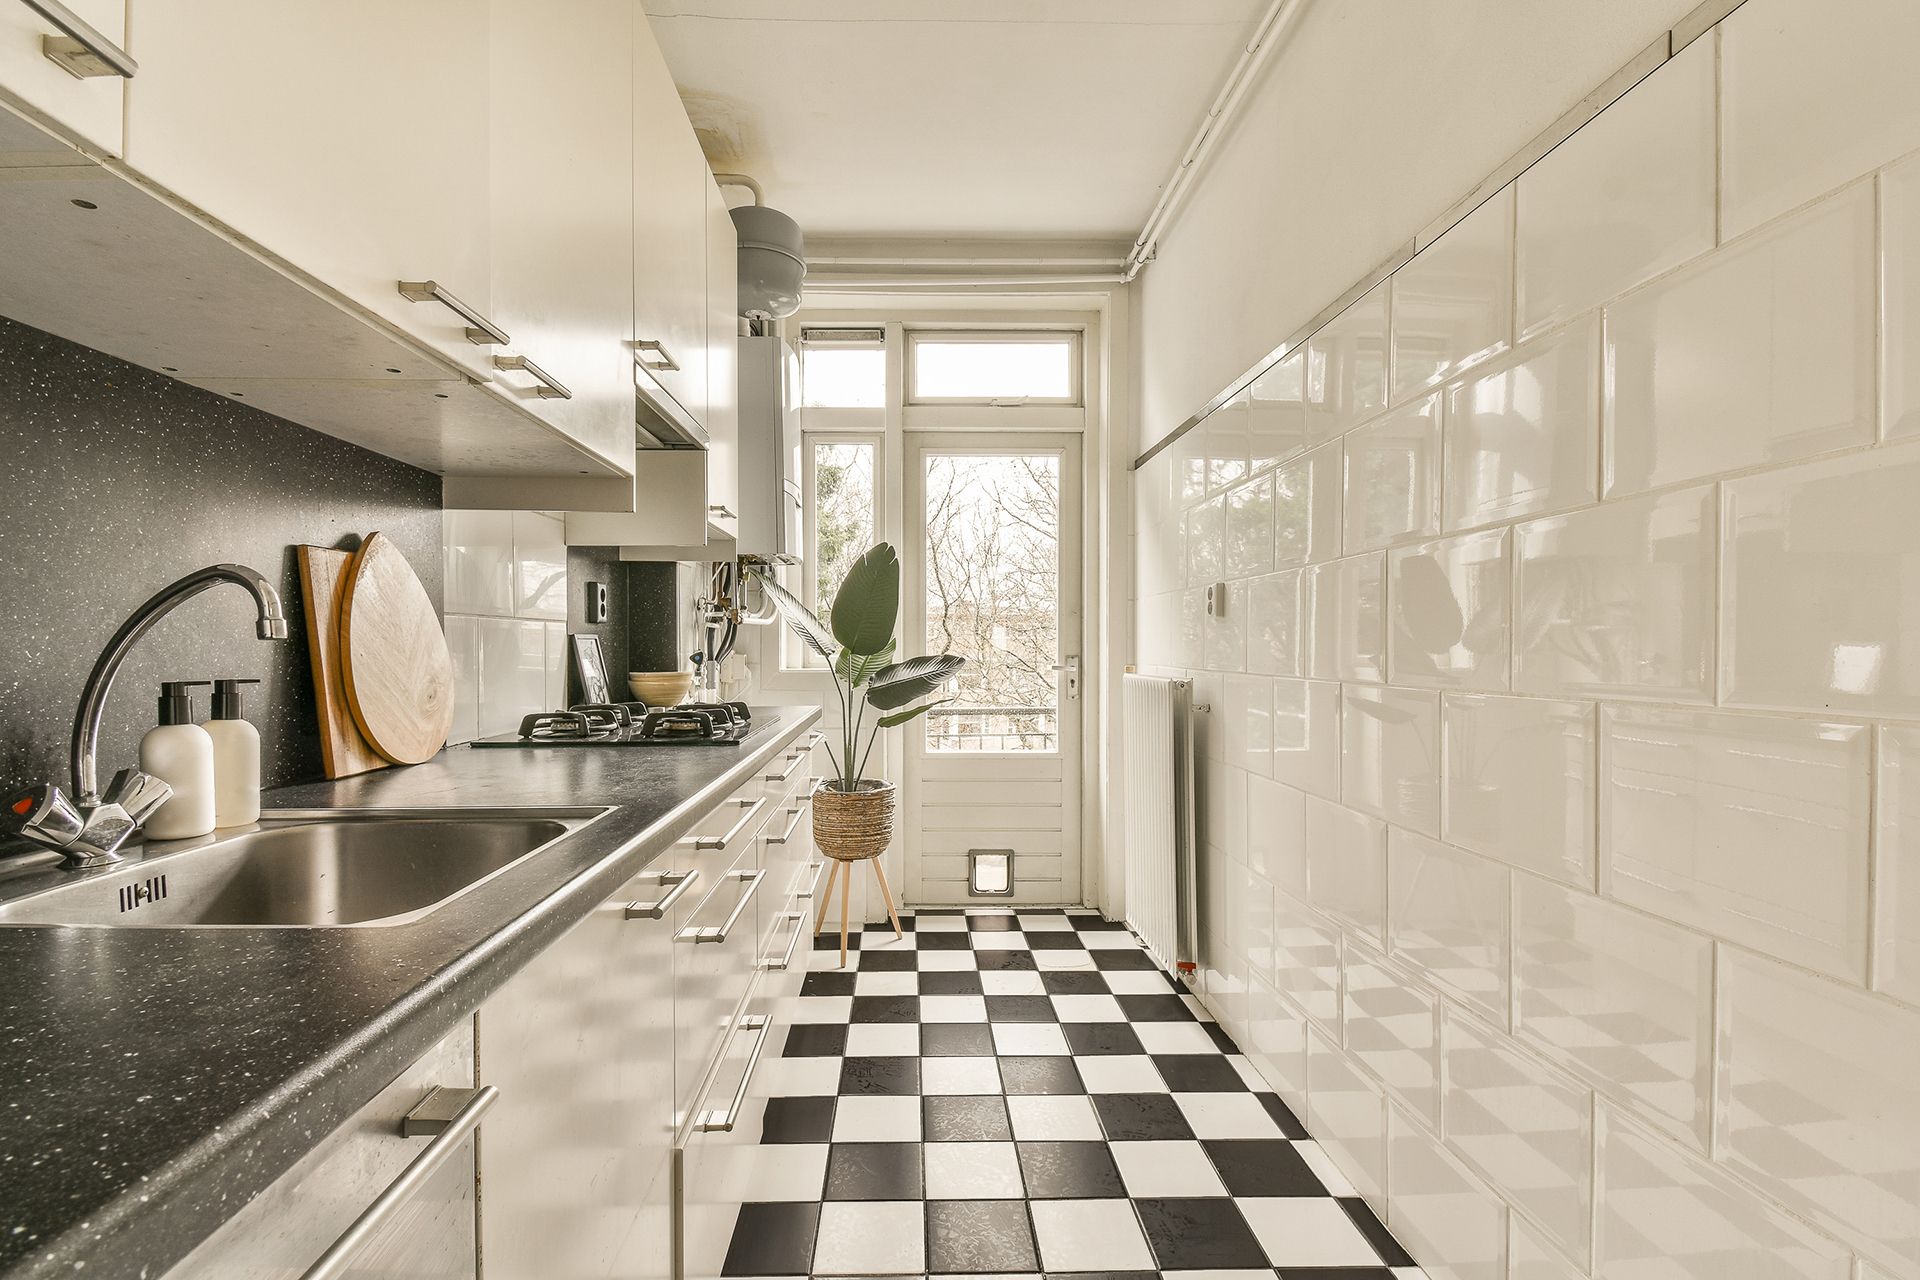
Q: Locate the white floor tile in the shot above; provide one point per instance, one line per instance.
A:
(1045, 924)
(984, 941)
(1174, 1037)
(1216, 1275)
(1029, 1039)
(886, 984)
(859, 1118)
(939, 924)
(959, 1075)
(1013, 982)
(953, 1008)
(871, 1237)
(1249, 1076)
(1064, 961)
(1088, 1009)
(1120, 1073)
(947, 961)
(823, 1009)
(1325, 1169)
(1138, 982)
(799, 1077)
(883, 1040)
(973, 1171)
(1090, 1235)
(1108, 940)
(1052, 1118)
(1156, 1169)
(1307, 1231)
(774, 1171)
(1226, 1115)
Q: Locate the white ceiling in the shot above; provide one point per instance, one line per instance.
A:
(1013, 119)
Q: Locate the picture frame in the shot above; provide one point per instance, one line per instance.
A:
(590, 669)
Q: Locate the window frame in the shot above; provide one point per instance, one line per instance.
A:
(795, 656)
(803, 346)
(1076, 362)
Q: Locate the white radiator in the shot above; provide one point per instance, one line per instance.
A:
(1160, 833)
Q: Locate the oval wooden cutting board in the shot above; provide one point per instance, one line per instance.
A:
(394, 661)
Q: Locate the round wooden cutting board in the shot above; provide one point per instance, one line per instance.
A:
(393, 656)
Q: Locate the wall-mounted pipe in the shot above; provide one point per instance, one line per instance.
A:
(742, 180)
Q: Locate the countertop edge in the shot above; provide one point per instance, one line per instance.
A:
(275, 1129)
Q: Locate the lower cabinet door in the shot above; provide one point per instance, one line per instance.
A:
(342, 1211)
(718, 1162)
(716, 954)
(580, 1044)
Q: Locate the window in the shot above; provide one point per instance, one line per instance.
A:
(993, 368)
(842, 506)
(843, 369)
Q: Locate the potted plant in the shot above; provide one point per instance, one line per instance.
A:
(853, 814)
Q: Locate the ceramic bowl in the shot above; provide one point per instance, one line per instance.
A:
(660, 688)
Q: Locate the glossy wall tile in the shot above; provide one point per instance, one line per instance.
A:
(1451, 612)
(1452, 305)
(1392, 1029)
(1447, 920)
(1896, 930)
(1446, 1215)
(1346, 368)
(1520, 782)
(1393, 477)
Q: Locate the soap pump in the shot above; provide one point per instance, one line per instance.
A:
(236, 758)
(180, 754)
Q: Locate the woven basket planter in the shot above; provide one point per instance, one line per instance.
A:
(850, 826)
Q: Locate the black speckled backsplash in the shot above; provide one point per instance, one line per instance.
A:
(117, 481)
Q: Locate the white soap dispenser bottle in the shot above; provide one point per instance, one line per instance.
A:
(236, 758)
(180, 754)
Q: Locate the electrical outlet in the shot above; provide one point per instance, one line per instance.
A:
(1217, 600)
(596, 602)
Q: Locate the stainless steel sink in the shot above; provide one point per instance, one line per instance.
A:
(301, 869)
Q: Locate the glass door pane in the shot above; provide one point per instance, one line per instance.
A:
(993, 596)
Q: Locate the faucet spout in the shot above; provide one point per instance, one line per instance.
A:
(271, 625)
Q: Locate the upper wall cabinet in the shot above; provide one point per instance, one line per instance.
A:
(670, 184)
(723, 364)
(75, 91)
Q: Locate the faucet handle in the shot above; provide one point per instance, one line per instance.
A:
(44, 815)
(138, 793)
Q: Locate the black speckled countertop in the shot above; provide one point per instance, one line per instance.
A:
(152, 1081)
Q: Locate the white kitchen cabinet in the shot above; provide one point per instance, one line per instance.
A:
(560, 137)
(670, 182)
(84, 109)
(350, 139)
(575, 1162)
(723, 366)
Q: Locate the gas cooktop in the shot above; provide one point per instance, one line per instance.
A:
(635, 724)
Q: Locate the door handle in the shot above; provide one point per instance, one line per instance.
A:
(746, 819)
(550, 388)
(753, 881)
(796, 810)
(813, 885)
(80, 50)
(481, 332)
(723, 1121)
(793, 762)
(786, 961)
(681, 882)
(1071, 665)
(662, 362)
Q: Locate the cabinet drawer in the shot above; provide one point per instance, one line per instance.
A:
(734, 823)
(717, 949)
(284, 1230)
(716, 1160)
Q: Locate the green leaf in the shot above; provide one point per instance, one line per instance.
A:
(857, 669)
(868, 601)
(901, 683)
(815, 633)
(898, 718)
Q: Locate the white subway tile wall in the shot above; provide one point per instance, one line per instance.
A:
(505, 617)
(1588, 805)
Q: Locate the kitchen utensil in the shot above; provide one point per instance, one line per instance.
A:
(394, 665)
(323, 581)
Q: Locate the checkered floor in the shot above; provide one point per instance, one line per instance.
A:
(1025, 1094)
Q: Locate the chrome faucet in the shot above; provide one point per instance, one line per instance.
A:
(91, 827)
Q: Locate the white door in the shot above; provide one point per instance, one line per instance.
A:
(993, 574)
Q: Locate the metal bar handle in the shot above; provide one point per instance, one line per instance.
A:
(813, 885)
(723, 1121)
(481, 332)
(80, 50)
(340, 1254)
(550, 388)
(746, 820)
(662, 362)
(786, 961)
(793, 762)
(681, 882)
(796, 810)
(752, 879)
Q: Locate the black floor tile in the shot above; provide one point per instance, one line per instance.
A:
(993, 924)
(889, 1077)
(1068, 982)
(887, 962)
(1093, 1038)
(874, 1171)
(1141, 1117)
(1335, 1273)
(886, 926)
(1199, 1234)
(979, 1236)
(1096, 924)
(1119, 958)
(798, 1120)
(1262, 1167)
(957, 941)
(828, 983)
(966, 1118)
(956, 1040)
(1221, 1039)
(1168, 1008)
(773, 1240)
(830, 941)
(1376, 1232)
(886, 1008)
(1005, 961)
(1282, 1115)
(1054, 940)
(1103, 1275)
(815, 1040)
(1198, 1073)
(1019, 1009)
(1055, 1074)
(1070, 1171)
(965, 982)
